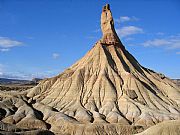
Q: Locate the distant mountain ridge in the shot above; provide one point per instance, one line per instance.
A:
(6, 81)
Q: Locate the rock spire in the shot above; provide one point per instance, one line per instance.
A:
(107, 27)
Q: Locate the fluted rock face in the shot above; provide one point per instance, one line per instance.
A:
(109, 85)
(106, 86)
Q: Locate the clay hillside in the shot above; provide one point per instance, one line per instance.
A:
(177, 81)
(105, 92)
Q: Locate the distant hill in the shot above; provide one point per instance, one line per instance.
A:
(6, 81)
(177, 81)
(13, 81)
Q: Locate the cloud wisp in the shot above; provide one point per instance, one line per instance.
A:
(160, 33)
(4, 50)
(168, 42)
(28, 76)
(171, 42)
(128, 30)
(7, 43)
(55, 55)
(123, 19)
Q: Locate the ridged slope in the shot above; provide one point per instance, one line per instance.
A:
(109, 85)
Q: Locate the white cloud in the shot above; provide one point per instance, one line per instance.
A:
(29, 37)
(55, 55)
(156, 42)
(126, 19)
(160, 33)
(172, 42)
(128, 30)
(4, 50)
(6, 42)
(178, 53)
(1, 73)
(5, 73)
(28, 76)
(16, 75)
(45, 74)
(123, 19)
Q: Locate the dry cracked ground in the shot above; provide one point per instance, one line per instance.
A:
(107, 92)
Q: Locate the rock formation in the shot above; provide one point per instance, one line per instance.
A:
(107, 27)
(177, 82)
(171, 127)
(105, 92)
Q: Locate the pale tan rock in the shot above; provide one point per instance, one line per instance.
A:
(95, 129)
(26, 117)
(171, 127)
(107, 27)
(8, 119)
(31, 123)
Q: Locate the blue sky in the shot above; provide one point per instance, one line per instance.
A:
(41, 38)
